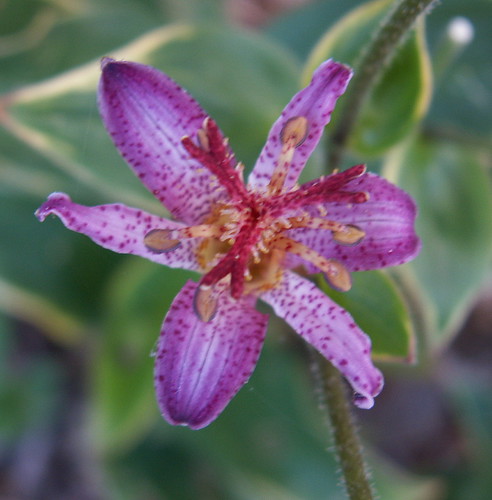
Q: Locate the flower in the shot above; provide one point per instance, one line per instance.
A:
(245, 239)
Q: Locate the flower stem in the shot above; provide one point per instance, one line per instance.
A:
(373, 60)
(347, 444)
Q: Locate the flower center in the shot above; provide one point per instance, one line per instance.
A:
(245, 240)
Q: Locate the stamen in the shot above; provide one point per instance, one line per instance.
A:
(315, 223)
(158, 241)
(213, 153)
(292, 135)
(345, 234)
(256, 255)
(205, 303)
(295, 131)
(165, 240)
(323, 190)
(336, 274)
(262, 247)
(200, 231)
(349, 235)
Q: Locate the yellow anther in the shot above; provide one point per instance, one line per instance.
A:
(295, 131)
(205, 303)
(158, 241)
(348, 235)
(338, 276)
(165, 240)
(292, 136)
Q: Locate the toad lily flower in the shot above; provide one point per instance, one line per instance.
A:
(245, 239)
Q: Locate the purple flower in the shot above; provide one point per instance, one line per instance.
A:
(245, 239)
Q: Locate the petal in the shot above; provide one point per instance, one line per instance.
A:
(147, 114)
(316, 103)
(201, 366)
(331, 330)
(388, 219)
(119, 228)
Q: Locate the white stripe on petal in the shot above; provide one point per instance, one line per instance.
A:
(199, 365)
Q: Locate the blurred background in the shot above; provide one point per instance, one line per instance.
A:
(78, 419)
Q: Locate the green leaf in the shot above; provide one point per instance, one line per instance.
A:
(31, 387)
(39, 38)
(300, 29)
(54, 141)
(252, 450)
(400, 99)
(471, 396)
(454, 196)
(48, 275)
(463, 90)
(394, 481)
(378, 308)
(37, 310)
(138, 297)
(241, 80)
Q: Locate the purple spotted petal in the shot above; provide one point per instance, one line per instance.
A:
(331, 330)
(388, 219)
(119, 228)
(316, 102)
(201, 366)
(147, 114)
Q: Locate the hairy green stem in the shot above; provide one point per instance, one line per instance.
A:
(347, 443)
(373, 60)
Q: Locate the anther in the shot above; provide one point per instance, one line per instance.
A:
(205, 303)
(338, 276)
(292, 135)
(295, 131)
(158, 241)
(349, 235)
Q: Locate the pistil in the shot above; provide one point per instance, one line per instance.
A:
(213, 152)
(324, 190)
(336, 274)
